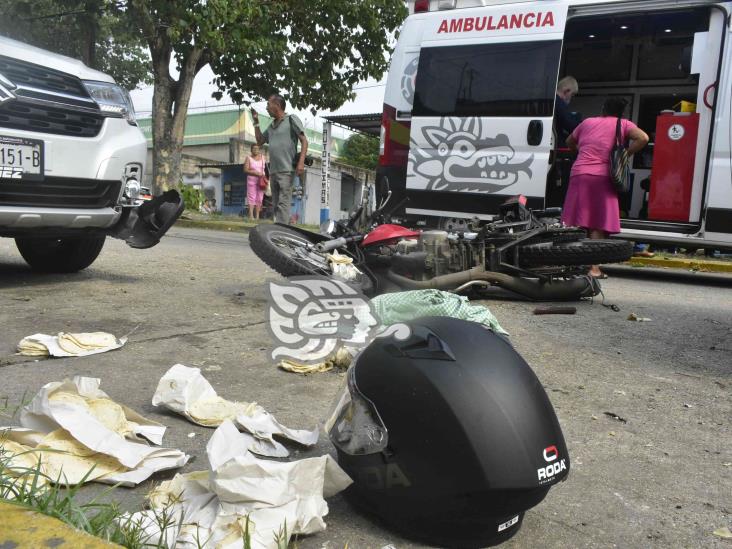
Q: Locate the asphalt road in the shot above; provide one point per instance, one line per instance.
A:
(663, 479)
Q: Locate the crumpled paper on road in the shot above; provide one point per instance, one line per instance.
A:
(241, 493)
(341, 359)
(67, 344)
(185, 391)
(72, 426)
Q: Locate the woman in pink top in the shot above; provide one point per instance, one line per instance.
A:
(254, 168)
(592, 202)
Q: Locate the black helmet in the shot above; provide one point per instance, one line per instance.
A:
(448, 435)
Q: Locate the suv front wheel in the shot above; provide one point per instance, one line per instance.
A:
(60, 255)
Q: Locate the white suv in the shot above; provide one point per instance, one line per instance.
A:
(71, 159)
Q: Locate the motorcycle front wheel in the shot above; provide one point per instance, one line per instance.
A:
(292, 253)
(580, 252)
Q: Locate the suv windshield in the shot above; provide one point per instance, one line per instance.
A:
(516, 79)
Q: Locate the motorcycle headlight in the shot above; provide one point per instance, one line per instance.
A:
(112, 100)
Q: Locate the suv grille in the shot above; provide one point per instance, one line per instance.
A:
(38, 117)
(23, 73)
(48, 101)
(59, 192)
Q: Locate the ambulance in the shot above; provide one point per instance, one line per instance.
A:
(470, 98)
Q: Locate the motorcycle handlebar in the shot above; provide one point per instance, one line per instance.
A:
(330, 245)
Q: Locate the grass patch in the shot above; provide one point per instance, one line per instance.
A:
(30, 488)
(33, 490)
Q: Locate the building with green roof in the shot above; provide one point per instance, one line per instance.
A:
(215, 146)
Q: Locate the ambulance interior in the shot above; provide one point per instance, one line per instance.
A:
(662, 63)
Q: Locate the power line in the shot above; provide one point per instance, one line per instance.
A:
(236, 104)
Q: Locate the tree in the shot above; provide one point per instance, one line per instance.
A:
(95, 31)
(311, 51)
(362, 151)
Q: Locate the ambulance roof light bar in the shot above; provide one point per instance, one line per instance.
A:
(421, 6)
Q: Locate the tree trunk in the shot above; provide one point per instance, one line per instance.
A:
(170, 99)
(90, 21)
(170, 108)
(163, 144)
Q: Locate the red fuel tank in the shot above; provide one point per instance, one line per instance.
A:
(385, 233)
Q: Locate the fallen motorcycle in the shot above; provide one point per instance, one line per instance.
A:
(526, 252)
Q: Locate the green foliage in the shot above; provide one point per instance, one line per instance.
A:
(96, 31)
(314, 52)
(193, 197)
(362, 151)
(311, 51)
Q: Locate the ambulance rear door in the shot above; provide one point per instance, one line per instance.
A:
(483, 108)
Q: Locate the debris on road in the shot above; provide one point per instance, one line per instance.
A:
(68, 344)
(616, 417)
(341, 360)
(405, 306)
(269, 500)
(723, 533)
(342, 265)
(555, 310)
(80, 435)
(185, 391)
(635, 318)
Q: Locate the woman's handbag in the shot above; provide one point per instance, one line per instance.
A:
(620, 163)
(263, 182)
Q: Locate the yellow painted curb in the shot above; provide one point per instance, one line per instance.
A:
(26, 529)
(688, 264)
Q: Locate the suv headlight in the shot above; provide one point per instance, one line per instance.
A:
(112, 100)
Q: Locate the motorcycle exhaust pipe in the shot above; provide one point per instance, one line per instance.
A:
(534, 289)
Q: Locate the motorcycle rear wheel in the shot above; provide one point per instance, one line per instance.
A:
(580, 252)
(291, 253)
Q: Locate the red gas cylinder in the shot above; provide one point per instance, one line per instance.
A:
(672, 176)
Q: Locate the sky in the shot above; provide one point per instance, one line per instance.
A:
(369, 99)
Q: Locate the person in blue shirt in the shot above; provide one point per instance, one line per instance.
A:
(565, 121)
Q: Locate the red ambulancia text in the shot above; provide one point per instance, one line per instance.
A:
(491, 23)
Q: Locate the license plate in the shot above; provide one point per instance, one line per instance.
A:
(20, 158)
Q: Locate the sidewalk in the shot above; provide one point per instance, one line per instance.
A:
(223, 222)
(689, 263)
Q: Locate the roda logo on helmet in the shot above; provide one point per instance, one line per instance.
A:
(381, 478)
(546, 474)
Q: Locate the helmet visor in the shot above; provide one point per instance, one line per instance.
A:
(355, 426)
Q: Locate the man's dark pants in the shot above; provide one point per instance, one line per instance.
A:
(281, 184)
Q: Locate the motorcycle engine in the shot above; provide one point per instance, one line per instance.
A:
(437, 247)
(435, 253)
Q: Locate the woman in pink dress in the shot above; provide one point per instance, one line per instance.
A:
(254, 168)
(592, 202)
